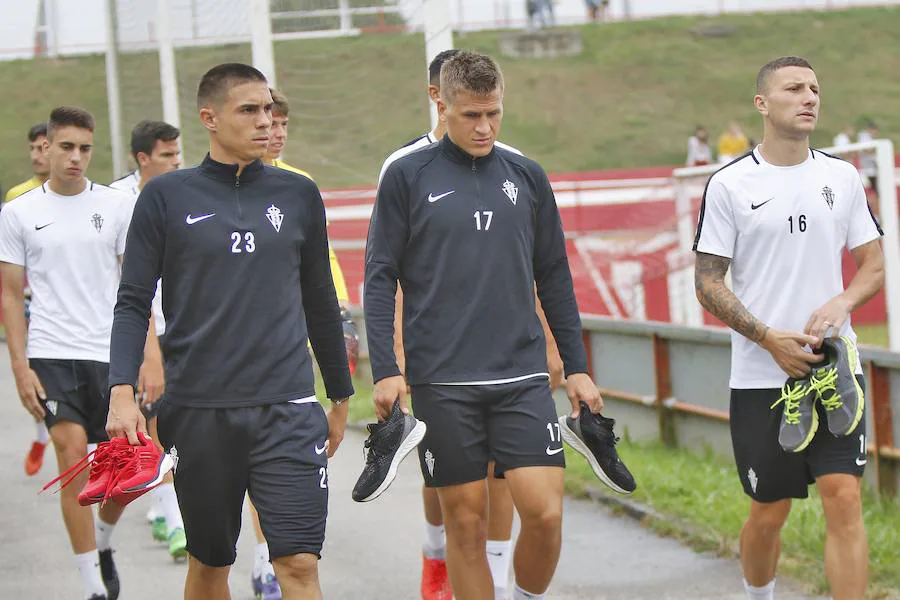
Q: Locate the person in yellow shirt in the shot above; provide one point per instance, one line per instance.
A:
(277, 140)
(733, 143)
(40, 168)
(263, 580)
(39, 165)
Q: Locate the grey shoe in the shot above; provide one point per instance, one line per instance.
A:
(799, 420)
(837, 387)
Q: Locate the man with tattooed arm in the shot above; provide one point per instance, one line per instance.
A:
(780, 217)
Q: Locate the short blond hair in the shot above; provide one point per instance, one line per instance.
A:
(470, 71)
(279, 102)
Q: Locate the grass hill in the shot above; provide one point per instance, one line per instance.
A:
(630, 99)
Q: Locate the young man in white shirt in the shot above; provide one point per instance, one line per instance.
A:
(68, 236)
(154, 147)
(780, 217)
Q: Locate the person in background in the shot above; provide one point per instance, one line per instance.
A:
(845, 137)
(733, 143)
(867, 164)
(699, 152)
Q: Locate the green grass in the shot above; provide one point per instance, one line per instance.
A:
(873, 335)
(361, 408)
(702, 494)
(630, 99)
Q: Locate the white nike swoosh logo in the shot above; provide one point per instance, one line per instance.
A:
(552, 452)
(191, 220)
(433, 198)
(861, 461)
(322, 449)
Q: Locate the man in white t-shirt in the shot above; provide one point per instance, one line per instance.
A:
(68, 236)
(154, 147)
(780, 216)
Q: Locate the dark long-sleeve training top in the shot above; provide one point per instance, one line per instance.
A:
(468, 238)
(247, 281)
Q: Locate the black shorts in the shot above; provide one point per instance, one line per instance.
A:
(275, 452)
(767, 472)
(77, 391)
(513, 424)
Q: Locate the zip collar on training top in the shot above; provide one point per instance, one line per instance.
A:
(228, 172)
(457, 154)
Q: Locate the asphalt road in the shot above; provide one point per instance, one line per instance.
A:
(372, 550)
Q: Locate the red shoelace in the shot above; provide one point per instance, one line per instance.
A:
(105, 458)
(122, 459)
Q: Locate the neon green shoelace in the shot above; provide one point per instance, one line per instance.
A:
(791, 397)
(824, 381)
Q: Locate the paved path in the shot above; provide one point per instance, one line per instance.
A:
(372, 551)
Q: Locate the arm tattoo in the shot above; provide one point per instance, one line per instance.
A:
(714, 295)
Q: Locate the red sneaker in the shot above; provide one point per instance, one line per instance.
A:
(34, 460)
(435, 582)
(102, 462)
(140, 471)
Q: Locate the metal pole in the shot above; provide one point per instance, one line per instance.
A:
(168, 81)
(346, 21)
(261, 46)
(114, 102)
(890, 224)
(438, 36)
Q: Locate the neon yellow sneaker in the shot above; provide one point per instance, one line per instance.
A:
(177, 544)
(837, 387)
(159, 529)
(799, 420)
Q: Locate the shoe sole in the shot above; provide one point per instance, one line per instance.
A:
(809, 438)
(575, 442)
(854, 361)
(412, 440)
(123, 497)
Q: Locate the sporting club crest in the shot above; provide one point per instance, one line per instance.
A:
(511, 191)
(97, 221)
(275, 217)
(828, 194)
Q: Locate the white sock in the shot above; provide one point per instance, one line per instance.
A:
(41, 433)
(89, 568)
(766, 592)
(520, 594)
(103, 532)
(261, 564)
(91, 448)
(498, 554)
(168, 506)
(435, 541)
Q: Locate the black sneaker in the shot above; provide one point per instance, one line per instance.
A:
(97, 597)
(388, 444)
(109, 574)
(799, 419)
(592, 436)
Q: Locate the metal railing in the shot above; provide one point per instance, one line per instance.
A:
(671, 383)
